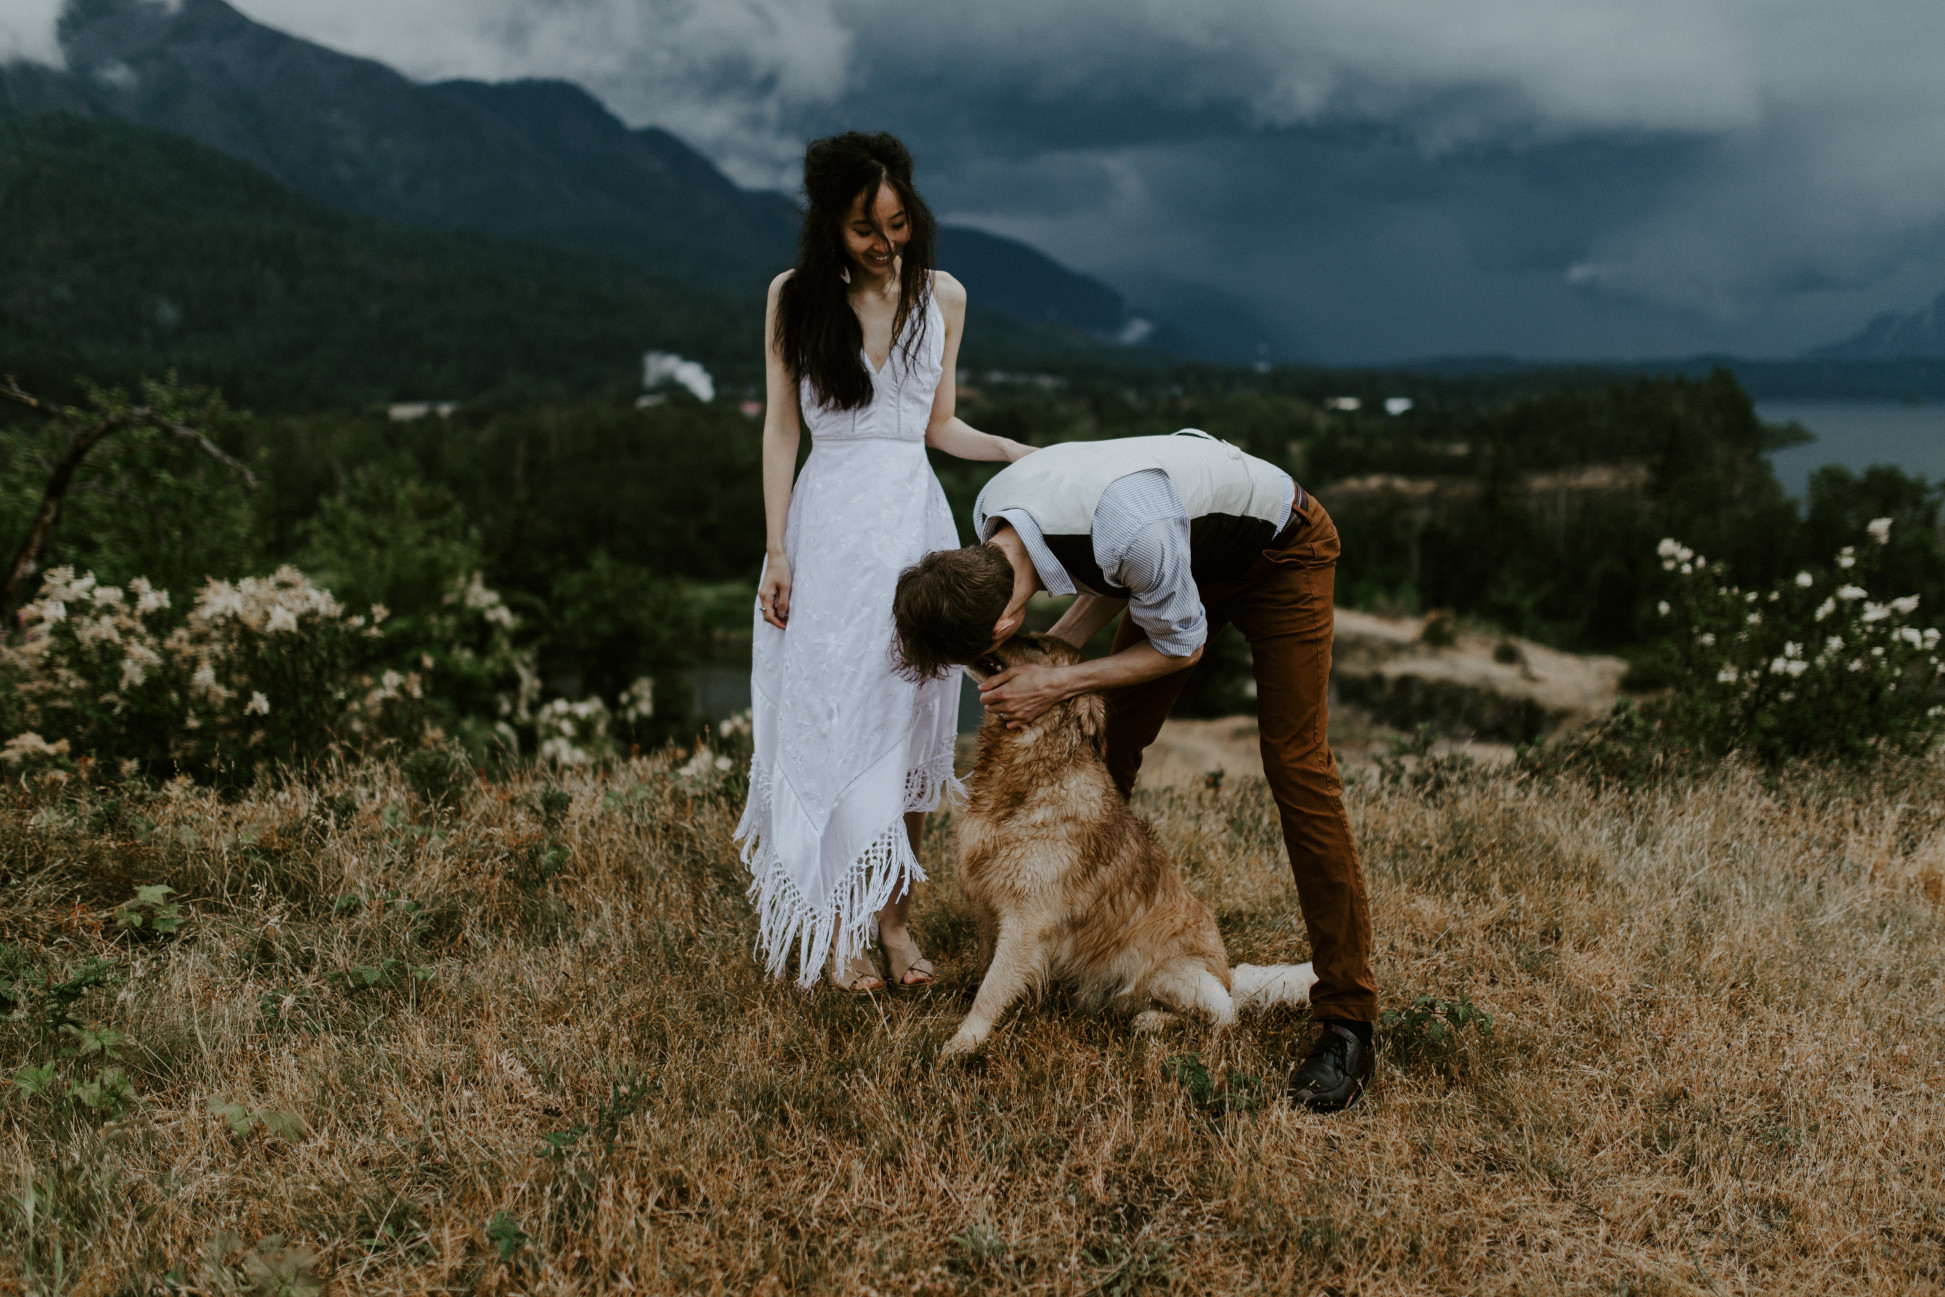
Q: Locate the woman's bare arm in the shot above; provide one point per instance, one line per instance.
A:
(946, 431)
(782, 431)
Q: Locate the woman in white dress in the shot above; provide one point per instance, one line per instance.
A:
(861, 340)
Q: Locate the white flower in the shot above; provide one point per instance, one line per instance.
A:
(1797, 668)
(90, 629)
(1750, 597)
(1835, 644)
(1906, 606)
(1931, 638)
(1707, 640)
(1825, 608)
(1850, 592)
(218, 600)
(1727, 675)
(1805, 580)
(638, 700)
(147, 598)
(1687, 568)
(1662, 607)
(1857, 664)
(1672, 548)
(1910, 635)
(1755, 619)
(258, 704)
(1847, 556)
(23, 747)
(136, 661)
(1875, 612)
(1880, 529)
(1792, 649)
(1877, 651)
(1778, 666)
(281, 619)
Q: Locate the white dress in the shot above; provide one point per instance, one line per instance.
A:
(844, 746)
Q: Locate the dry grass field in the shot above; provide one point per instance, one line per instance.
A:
(518, 1044)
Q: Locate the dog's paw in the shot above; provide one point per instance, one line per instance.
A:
(1149, 1021)
(963, 1045)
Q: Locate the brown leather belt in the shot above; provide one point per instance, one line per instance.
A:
(1297, 520)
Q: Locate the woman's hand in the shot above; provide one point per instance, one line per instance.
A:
(773, 595)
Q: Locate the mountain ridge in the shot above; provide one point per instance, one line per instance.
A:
(1893, 335)
(534, 159)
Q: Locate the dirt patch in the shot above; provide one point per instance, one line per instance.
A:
(1490, 687)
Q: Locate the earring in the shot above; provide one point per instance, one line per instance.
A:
(844, 273)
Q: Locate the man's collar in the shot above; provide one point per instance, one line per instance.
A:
(1052, 575)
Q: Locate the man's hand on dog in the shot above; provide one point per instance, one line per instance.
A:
(1018, 695)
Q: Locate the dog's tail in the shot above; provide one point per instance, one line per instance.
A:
(1258, 986)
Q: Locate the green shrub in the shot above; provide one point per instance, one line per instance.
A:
(1815, 667)
(262, 670)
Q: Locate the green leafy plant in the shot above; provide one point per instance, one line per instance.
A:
(1238, 1092)
(245, 1121)
(79, 1063)
(1816, 666)
(151, 910)
(386, 973)
(1432, 1030)
(506, 1236)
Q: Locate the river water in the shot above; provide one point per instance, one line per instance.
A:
(1858, 434)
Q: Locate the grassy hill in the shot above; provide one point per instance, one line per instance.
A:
(128, 251)
(520, 1044)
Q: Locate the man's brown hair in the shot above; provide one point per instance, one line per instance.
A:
(945, 608)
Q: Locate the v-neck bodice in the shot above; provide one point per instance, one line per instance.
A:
(902, 391)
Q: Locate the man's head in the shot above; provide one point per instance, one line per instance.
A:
(951, 607)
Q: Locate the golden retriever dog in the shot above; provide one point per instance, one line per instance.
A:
(1067, 884)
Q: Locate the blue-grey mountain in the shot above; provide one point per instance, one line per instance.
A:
(1895, 335)
(540, 160)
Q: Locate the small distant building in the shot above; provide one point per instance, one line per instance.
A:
(659, 367)
(1348, 404)
(406, 411)
(1396, 405)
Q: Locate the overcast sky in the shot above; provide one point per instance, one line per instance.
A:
(1379, 179)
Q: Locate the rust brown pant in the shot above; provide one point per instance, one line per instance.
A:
(1283, 607)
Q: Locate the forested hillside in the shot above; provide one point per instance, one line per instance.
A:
(126, 251)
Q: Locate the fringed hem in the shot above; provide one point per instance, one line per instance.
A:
(883, 872)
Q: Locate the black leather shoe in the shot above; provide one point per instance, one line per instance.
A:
(1333, 1077)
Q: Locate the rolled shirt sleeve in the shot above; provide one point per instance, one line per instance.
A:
(1141, 541)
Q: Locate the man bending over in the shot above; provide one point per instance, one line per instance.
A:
(1188, 534)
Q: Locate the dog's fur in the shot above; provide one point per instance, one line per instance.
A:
(1067, 884)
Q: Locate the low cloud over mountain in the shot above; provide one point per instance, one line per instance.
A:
(1383, 179)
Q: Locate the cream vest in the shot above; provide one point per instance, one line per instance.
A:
(1061, 485)
(1235, 501)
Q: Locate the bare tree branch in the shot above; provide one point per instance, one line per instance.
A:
(60, 478)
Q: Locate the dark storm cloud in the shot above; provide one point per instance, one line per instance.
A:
(1377, 178)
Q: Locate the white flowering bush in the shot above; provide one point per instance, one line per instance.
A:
(1820, 666)
(263, 669)
(574, 733)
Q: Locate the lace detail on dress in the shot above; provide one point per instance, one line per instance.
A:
(884, 872)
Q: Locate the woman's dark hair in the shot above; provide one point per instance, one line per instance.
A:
(818, 333)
